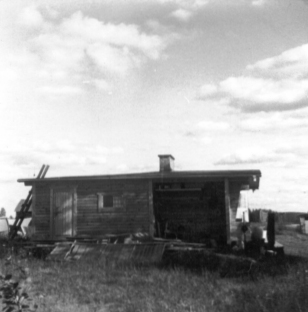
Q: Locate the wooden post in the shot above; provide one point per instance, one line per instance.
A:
(51, 215)
(227, 210)
(151, 209)
(271, 230)
(74, 212)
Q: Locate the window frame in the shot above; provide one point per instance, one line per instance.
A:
(118, 203)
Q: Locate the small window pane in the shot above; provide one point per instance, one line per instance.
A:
(108, 201)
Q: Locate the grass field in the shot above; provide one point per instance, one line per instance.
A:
(294, 243)
(190, 285)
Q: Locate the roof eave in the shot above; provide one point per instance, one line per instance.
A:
(252, 174)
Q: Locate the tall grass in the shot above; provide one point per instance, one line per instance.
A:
(95, 285)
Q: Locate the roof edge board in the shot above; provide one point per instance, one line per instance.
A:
(152, 175)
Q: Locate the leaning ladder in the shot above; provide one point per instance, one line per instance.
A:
(25, 207)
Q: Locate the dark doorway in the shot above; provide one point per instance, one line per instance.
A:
(193, 212)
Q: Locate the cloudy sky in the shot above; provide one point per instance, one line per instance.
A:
(102, 86)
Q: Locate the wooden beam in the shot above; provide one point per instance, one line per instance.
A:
(40, 173)
(45, 171)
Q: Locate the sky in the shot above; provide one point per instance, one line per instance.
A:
(98, 87)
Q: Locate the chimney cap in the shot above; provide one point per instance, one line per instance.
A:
(166, 155)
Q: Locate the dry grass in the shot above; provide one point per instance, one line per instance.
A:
(294, 243)
(91, 285)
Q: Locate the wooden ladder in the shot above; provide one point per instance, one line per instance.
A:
(25, 207)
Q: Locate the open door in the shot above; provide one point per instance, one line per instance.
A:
(191, 211)
(62, 213)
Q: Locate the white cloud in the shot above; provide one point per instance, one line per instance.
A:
(207, 90)
(59, 155)
(204, 140)
(259, 90)
(212, 126)
(280, 155)
(277, 83)
(183, 10)
(112, 60)
(122, 168)
(258, 2)
(205, 127)
(272, 122)
(102, 84)
(182, 14)
(56, 56)
(59, 90)
(112, 48)
(199, 139)
(292, 63)
(298, 147)
(189, 4)
(120, 35)
(204, 131)
(252, 155)
(31, 17)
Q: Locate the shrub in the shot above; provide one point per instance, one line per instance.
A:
(13, 293)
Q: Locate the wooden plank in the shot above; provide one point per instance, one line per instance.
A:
(60, 251)
(116, 253)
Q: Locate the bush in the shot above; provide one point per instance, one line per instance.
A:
(14, 294)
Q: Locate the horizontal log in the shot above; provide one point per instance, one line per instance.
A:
(126, 196)
(110, 222)
(127, 209)
(112, 215)
(112, 230)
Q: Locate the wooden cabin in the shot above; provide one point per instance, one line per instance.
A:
(191, 205)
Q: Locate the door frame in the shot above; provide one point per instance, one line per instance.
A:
(65, 188)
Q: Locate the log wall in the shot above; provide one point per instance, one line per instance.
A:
(132, 217)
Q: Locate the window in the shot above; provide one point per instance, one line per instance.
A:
(110, 203)
(107, 201)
